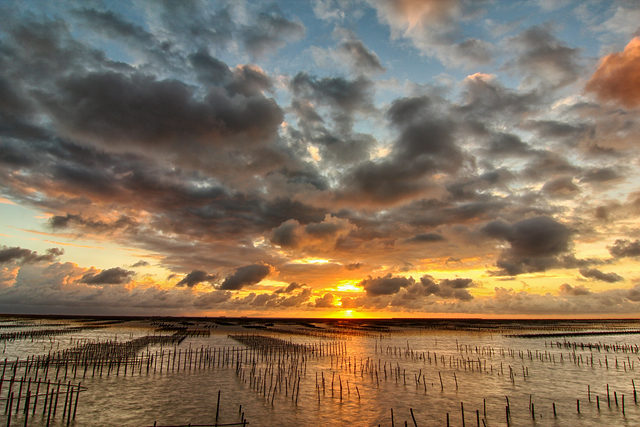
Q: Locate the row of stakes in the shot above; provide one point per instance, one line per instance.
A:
(329, 349)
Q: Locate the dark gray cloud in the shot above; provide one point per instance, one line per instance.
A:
(562, 187)
(535, 244)
(547, 164)
(270, 32)
(473, 50)
(364, 61)
(246, 276)
(141, 263)
(194, 24)
(633, 294)
(538, 236)
(579, 290)
(353, 266)
(113, 25)
(594, 273)
(506, 144)
(210, 70)
(485, 99)
(212, 299)
(290, 288)
(111, 276)
(426, 238)
(446, 288)
(625, 248)
(27, 256)
(116, 109)
(95, 225)
(249, 80)
(195, 277)
(326, 301)
(344, 97)
(182, 202)
(386, 285)
(545, 59)
(424, 136)
(600, 175)
(323, 229)
(284, 235)
(555, 130)
(426, 145)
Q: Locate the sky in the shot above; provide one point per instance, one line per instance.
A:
(327, 158)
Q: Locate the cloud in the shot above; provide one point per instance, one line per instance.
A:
(601, 175)
(146, 127)
(141, 263)
(111, 276)
(96, 225)
(542, 58)
(594, 273)
(113, 25)
(617, 76)
(316, 236)
(625, 248)
(246, 276)
(212, 299)
(487, 100)
(386, 285)
(27, 256)
(326, 301)
(296, 300)
(434, 29)
(285, 234)
(135, 110)
(538, 236)
(344, 97)
(426, 238)
(426, 145)
(362, 59)
(535, 244)
(196, 24)
(195, 277)
(562, 187)
(579, 290)
(210, 70)
(351, 52)
(270, 32)
(509, 145)
(348, 302)
(59, 289)
(290, 288)
(446, 288)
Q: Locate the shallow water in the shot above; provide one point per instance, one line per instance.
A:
(179, 398)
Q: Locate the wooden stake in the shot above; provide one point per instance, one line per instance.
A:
(416, 424)
(218, 408)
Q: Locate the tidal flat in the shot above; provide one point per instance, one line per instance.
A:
(130, 371)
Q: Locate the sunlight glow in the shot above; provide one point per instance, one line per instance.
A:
(310, 260)
(349, 286)
(315, 153)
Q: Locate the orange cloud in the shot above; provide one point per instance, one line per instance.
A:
(416, 12)
(618, 76)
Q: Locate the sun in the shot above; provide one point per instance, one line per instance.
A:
(347, 313)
